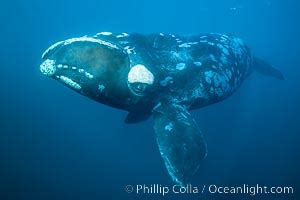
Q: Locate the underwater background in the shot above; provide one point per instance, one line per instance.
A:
(57, 144)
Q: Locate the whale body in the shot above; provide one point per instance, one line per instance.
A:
(159, 75)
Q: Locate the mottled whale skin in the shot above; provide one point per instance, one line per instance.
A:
(162, 75)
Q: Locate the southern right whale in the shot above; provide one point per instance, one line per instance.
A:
(162, 75)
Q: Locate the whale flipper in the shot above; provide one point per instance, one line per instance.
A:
(265, 68)
(180, 141)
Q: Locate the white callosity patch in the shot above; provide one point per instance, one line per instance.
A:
(211, 43)
(140, 74)
(104, 33)
(88, 75)
(198, 64)
(129, 50)
(219, 81)
(51, 48)
(70, 82)
(185, 45)
(122, 35)
(199, 92)
(180, 66)
(169, 127)
(101, 87)
(80, 39)
(179, 57)
(123, 42)
(48, 67)
(166, 81)
(89, 39)
(82, 71)
(178, 40)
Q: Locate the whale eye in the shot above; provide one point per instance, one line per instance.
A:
(138, 88)
(139, 78)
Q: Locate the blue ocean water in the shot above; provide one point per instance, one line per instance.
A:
(56, 144)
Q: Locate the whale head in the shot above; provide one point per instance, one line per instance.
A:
(93, 67)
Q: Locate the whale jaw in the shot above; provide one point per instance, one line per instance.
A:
(92, 67)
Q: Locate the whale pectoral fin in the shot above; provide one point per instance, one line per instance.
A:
(133, 117)
(180, 141)
(265, 68)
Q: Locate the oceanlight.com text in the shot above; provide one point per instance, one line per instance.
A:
(245, 189)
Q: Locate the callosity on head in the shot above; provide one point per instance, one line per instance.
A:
(90, 66)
